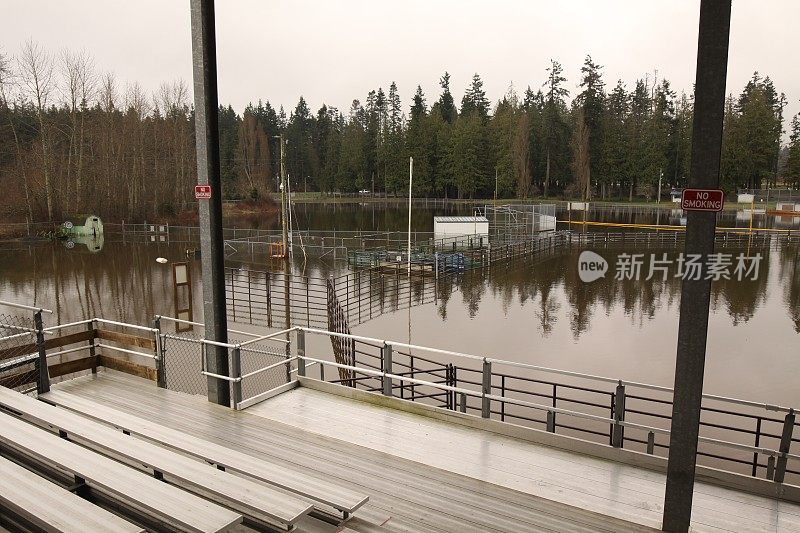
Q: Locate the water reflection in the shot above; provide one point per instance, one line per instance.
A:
(534, 311)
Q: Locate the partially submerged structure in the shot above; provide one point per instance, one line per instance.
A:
(82, 226)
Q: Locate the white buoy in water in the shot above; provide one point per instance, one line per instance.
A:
(161, 260)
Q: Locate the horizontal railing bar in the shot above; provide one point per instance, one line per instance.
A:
(198, 341)
(268, 367)
(200, 324)
(123, 324)
(133, 352)
(23, 306)
(71, 324)
(268, 337)
(64, 352)
(218, 376)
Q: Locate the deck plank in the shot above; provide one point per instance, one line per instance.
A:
(415, 496)
(541, 470)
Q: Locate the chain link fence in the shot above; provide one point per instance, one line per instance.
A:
(183, 365)
(18, 353)
(257, 356)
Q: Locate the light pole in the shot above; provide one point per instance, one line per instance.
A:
(709, 111)
(410, 181)
(204, 72)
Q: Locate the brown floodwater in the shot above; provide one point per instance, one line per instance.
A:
(535, 312)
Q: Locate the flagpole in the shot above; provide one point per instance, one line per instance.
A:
(410, 180)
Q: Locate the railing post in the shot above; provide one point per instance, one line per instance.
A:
(161, 377)
(651, 442)
(43, 381)
(300, 352)
(771, 467)
(386, 359)
(786, 441)
(619, 416)
(92, 351)
(551, 422)
(462, 403)
(503, 394)
(486, 403)
(236, 372)
(756, 444)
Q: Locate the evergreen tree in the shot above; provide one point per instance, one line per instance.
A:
(638, 151)
(446, 106)
(466, 154)
(396, 166)
(682, 142)
(592, 100)
(753, 135)
(301, 164)
(555, 128)
(615, 147)
(421, 144)
(474, 100)
(504, 133)
(793, 162)
(228, 141)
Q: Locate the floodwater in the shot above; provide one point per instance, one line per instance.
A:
(534, 312)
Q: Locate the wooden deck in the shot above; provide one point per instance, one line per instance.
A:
(428, 475)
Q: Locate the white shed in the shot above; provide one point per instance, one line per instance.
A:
(446, 227)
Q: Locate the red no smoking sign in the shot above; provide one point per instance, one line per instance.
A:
(202, 192)
(702, 199)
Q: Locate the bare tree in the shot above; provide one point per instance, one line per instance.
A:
(254, 154)
(79, 87)
(107, 98)
(173, 99)
(7, 85)
(138, 109)
(36, 72)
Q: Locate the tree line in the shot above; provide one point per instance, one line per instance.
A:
(73, 139)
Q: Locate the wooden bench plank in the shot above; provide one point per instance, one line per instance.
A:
(126, 338)
(49, 507)
(259, 502)
(49, 344)
(171, 505)
(324, 492)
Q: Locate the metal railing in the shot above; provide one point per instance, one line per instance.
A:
(257, 364)
(595, 407)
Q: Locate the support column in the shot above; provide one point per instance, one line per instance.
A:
(204, 60)
(709, 109)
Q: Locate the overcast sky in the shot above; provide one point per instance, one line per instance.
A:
(335, 51)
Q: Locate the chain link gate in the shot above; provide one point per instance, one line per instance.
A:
(23, 363)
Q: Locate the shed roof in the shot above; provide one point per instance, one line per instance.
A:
(446, 220)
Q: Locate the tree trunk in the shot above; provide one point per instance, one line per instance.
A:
(547, 173)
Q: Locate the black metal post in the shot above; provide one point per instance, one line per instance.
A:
(617, 431)
(386, 354)
(709, 110)
(43, 379)
(486, 389)
(786, 441)
(204, 59)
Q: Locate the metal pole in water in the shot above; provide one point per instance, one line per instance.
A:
(204, 60)
(410, 180)
(709, 108)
